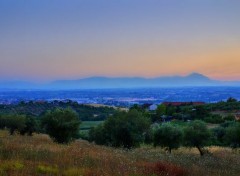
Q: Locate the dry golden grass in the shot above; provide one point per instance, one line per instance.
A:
(38, 155)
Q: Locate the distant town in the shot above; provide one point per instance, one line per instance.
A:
(123, 97)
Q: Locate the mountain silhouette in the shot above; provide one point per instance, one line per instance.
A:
(193, 79)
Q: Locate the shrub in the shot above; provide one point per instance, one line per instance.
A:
(214, 118)
(149, 136)
(229, 118)
(227, 124)
(98, 135)
(218, 134)
(233, 135)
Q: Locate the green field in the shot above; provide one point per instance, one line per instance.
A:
(87, 125)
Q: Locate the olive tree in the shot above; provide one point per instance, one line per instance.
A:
(30, 126)
(62, 125)
(169, 136)
(15, 122)
(196, 134)
(123, 129)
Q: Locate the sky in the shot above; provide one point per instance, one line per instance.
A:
(42, 40)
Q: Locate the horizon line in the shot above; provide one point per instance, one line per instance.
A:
(113, 77)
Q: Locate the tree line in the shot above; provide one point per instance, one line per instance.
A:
(62, 125)
(38, 109)
(133, 128)
(125, 129)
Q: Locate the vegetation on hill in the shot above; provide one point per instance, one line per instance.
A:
(186, 126)
(137, 130)
(133, 128)
(21, 123)
(215, 113)
(37, 109)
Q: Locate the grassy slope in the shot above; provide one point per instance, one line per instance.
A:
(38, 155)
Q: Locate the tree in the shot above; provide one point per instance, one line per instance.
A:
(3, 120)
(15, 122)
(231, 100)
(219, 133)
(229, 118)
(149, 136)
(137, 107)
(168, 136)
(98, 135)
(214, 118)
(123, 129)
(200, 112)
(196, 135)
(30, 126)
(170, 110)
(62, 125)
(232, 135)
(161, 110)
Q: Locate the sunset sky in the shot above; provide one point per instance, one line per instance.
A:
(43, 40)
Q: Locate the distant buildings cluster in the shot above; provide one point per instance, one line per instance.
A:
(153, 107)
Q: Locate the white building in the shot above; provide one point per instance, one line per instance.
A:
(153, 107)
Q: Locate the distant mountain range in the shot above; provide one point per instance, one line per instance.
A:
(194, 79)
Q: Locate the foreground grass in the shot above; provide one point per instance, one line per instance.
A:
(38, 155)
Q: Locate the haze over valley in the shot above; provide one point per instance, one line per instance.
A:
(191, 80)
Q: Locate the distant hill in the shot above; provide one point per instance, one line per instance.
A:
(194, 79)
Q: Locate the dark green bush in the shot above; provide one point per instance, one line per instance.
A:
(15, 122)
(62, 125)
(232, 135)
(214, 118)
(196, 135)
(169, 136)
(30, 126)
(218, 136)
(123, 129)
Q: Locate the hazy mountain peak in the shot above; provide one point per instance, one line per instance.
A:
(195, 75)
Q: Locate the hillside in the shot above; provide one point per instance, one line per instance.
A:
(38, 156)
(38, 108)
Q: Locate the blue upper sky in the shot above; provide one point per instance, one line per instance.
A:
(66, 39)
